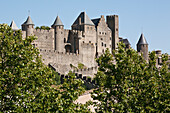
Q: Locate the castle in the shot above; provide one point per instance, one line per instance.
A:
(87, 40)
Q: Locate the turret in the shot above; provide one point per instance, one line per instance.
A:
(58, 34)
(142, 47)
(28, 26)
(14, 26)
(113, 24)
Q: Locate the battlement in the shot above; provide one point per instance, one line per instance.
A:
(79, 76)
(86, 69)
(56, 44)
(87, 72)
(67, 30)
(111, 16)
(57, 52)
(43, 31)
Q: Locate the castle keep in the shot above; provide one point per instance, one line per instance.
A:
(87, 40)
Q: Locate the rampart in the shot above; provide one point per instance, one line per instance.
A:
(45, 38)
(87, 71)
(61, 61)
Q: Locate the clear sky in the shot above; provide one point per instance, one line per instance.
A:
(152, 17)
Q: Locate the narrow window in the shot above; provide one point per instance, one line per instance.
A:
(102, 43)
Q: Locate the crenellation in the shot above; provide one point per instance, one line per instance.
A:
(43, 30)
(86, 40)
(83, 43)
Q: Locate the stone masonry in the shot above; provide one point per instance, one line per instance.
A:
(87, 40)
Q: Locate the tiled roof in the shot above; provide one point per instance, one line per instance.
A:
(14, 26)
(125, 41)
(84, 19)
(28, 21)
(142, 40)
(57, 22)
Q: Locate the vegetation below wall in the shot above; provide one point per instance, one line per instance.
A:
(43, 27)
(130, 85)
(80, 66)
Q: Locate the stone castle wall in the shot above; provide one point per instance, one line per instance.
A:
(61, 61)
(45, 39)
(60, 47)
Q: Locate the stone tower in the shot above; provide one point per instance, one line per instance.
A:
(58, 35)
(86, 31)
(113, 24)
(28, 26)
(142, 47)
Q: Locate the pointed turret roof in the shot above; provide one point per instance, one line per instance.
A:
(142, 40)
(84, 19)
(14, 26)
(58, 22)
(28, 21)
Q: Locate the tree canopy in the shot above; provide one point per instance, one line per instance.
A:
(26, 83)
(127, 83)
(43, 27)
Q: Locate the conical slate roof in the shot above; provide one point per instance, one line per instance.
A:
(14, 26)
(142, 40)
(84, 19)
(57, 22)
(28, 21)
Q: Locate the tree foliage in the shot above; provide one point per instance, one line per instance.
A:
(26, 83)
(43, 27)
(127, 83)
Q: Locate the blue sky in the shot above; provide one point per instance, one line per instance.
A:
(152, 17)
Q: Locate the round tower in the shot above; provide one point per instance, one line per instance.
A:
(28, 26)
(58, 35)
(142, 47)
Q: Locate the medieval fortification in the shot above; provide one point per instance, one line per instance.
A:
(87, 40)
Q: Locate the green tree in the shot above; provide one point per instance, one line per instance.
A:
(43, 27)
(81, 66)
(127, 83)
(26, 83)
(69, 92)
